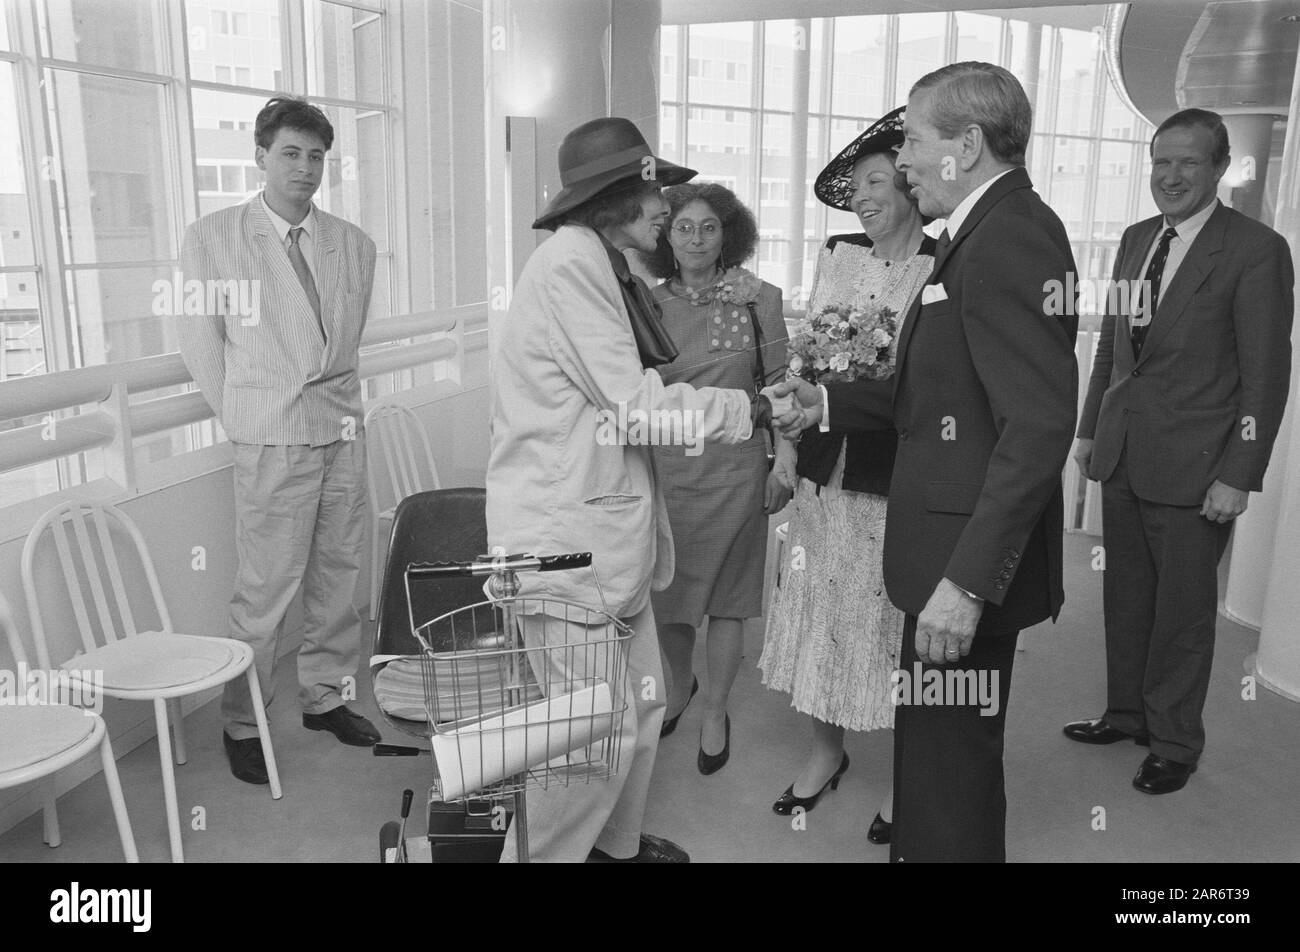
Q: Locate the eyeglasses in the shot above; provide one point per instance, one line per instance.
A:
(685, 229)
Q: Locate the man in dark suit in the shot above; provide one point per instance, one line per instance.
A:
(983, 399)
(1181, 414)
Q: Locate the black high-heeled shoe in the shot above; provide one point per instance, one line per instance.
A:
(670, 725)
(712, 763)
(880, 831)
(786, 805)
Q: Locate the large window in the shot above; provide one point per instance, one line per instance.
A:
(117, 134)
(1088, 155)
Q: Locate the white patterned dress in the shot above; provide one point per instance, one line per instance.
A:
(832, 635)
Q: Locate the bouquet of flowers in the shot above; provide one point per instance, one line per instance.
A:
(840, 344)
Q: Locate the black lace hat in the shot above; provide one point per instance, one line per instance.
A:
(834, 185)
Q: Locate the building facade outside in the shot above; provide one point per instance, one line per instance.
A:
(736, 99)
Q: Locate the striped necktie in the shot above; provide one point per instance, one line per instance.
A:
(304, 275)
(1155, 274)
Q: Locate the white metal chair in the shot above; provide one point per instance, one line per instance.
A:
(153, 665)
(37, 741)
(396, 438)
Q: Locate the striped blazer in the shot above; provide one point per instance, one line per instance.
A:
(250, 338)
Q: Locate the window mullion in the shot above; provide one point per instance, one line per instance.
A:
(293, 42)
(40, 172)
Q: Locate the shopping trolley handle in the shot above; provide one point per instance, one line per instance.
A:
(488, 565)
(562, 563)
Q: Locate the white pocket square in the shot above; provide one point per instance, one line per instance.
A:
(933, 293)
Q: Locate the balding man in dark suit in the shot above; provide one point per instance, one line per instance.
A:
(983, 398)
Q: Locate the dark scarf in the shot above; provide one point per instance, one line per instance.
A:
(653, 342)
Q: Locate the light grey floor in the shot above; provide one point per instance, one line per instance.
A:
(1240, 805)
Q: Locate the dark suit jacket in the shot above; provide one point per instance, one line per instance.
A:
(869, 458)
(1205, 400)
(984, 404)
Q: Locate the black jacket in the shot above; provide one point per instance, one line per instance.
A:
(984, 400)
(869, 459)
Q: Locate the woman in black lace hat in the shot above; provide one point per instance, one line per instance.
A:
(832, 635)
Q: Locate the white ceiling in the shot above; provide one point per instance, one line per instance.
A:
(1233, 57)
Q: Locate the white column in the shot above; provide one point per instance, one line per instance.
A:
(1251, 137)
(560, 63)
(1277, 665)
(1253, 536)
(802, 69)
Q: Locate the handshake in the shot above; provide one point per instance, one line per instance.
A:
(791, 406)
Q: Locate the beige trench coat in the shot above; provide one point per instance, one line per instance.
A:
(565, 474)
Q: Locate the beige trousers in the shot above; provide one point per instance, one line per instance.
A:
(564, 823)
(299, 525)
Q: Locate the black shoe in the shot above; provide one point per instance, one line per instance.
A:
(670, 725)
(347, 726)
(1157, 775)
(654, 849)
(1097, 731)
(880, 831)
(712, 763)
(785, 806)
(246, 760)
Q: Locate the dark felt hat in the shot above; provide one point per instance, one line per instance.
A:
(602, 154)
(834, 186)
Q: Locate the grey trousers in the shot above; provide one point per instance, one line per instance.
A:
(565, 823)
(299, 524)
(1161, 591)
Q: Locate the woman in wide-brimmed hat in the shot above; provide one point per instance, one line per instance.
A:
(832, 635)
(573, 368)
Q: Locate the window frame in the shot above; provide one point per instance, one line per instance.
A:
(38, 131)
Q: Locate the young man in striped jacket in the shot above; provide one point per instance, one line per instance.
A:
(280, 373)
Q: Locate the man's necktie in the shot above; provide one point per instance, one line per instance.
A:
(304, 275)
(1155, 272)
(945, 240)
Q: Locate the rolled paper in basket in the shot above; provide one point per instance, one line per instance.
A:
(488, 751)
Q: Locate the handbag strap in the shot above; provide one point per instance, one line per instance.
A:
(760, 373)
(760, 380)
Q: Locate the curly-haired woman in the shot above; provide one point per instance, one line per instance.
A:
(728, 328)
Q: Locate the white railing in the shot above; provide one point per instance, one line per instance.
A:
(115, 423)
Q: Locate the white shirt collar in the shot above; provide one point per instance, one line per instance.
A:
(1188, 228)
(963, 209)
(282, 227)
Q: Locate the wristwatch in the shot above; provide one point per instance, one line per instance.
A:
(966, 593)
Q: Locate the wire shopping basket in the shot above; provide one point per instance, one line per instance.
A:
(519, 691)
